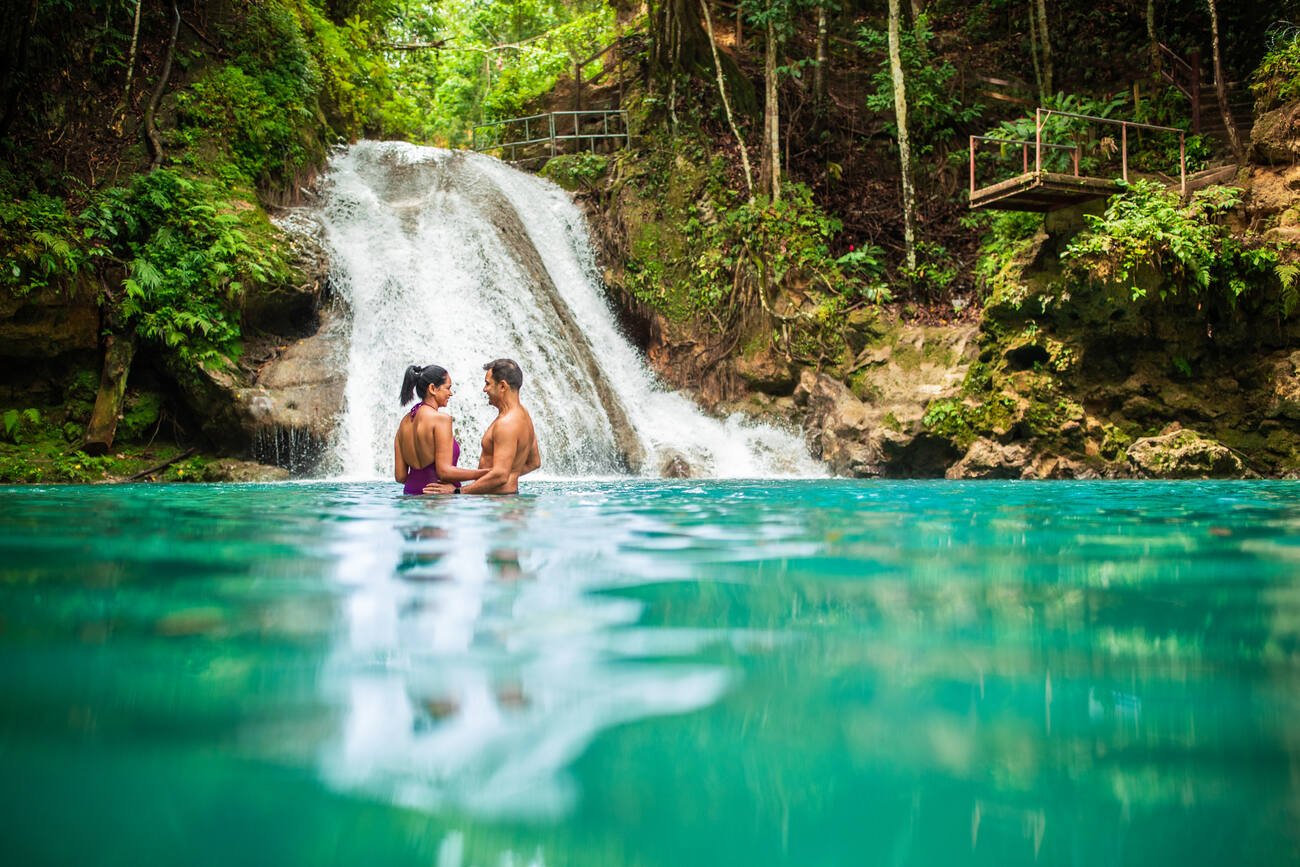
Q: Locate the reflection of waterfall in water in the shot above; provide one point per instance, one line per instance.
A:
(454, 258)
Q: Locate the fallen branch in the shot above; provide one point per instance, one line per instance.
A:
(164, 465)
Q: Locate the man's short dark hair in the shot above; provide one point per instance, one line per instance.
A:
(505, 370)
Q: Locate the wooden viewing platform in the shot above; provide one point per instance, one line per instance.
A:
(1041, 191)
(1036, 189)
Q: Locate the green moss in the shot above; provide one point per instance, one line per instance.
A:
(140, 415)
(575, 172)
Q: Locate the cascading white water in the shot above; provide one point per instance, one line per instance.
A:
(453, 258)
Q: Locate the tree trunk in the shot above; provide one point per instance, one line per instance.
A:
(1045, 42)
(119, 350)
(770, 165)
(819, 71)
(679, 40)
(740, 25)
(726, 102)
(1033, 52)
(1152, 40)
(1221, 89)
(904, 149)
(151, 133)
(130, 67)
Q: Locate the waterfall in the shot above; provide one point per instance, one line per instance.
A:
(454, 258)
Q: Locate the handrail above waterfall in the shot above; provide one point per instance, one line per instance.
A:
(552, 128)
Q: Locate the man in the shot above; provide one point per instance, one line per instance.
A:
(510, 443)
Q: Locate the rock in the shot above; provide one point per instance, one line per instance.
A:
(233, 470)
(673, 465)
(1183, 454)
(986, 459)
(1275, 137)
(48, 323)
(767, 372)
(1285, 388)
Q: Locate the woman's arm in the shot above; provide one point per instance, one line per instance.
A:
(442, 452)
(399, 464)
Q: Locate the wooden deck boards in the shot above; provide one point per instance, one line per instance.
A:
(1041, 191)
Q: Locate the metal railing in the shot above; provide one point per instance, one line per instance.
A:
(553, 128)
(1040, 117)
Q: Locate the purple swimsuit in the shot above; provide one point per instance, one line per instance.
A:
(418, 477)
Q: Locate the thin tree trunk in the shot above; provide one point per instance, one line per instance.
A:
(151, 133)
(1152, 40)
(1033, 51)
(130, 68)
(1221, 89)
(904, 149)
(119, 351)
(726, 102)
(819, 71)
(740, 25)
(1045, 42)
(770, 171)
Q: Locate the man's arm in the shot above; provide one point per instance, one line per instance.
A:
(505, 440)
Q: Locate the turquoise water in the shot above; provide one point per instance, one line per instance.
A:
(652, 673)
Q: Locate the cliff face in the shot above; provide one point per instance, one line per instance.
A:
(1081, 383)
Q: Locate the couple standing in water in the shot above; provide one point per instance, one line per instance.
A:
(426, 452)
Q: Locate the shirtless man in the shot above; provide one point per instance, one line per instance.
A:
(510, 443)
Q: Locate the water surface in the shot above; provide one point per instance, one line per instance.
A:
(652, 673)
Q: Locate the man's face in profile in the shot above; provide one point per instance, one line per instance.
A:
(491, 389)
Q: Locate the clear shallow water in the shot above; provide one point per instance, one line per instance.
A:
(652, 673)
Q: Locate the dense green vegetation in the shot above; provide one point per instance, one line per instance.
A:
(758, 202)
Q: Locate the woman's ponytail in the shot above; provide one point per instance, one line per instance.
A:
(417, 379)
(409, 381)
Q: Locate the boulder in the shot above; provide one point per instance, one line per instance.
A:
(233, 470)
(986, 459)
(767, 372)
(1284, 394)
(1183, 454)
(1275, 137)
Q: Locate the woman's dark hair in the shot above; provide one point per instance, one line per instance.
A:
(416, 381)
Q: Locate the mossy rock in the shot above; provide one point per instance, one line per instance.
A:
(1183, 454)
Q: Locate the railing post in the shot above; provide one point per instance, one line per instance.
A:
(1024, 158)
(550, 116)
(972, 166)
(1123, 151)
(1076, 161)
(1182, 162)
(1038, 140)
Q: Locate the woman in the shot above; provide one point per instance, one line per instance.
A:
(424, 450)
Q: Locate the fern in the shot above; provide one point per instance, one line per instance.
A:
(1286, 273)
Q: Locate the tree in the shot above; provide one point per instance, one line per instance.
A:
(1220, 89)
(726, 102)
(904, 149)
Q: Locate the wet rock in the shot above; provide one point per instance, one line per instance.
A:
(233, 470)
(986, 459)
(1183, 454)
(673, 465)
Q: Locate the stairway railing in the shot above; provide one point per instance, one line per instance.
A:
(553, 128)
